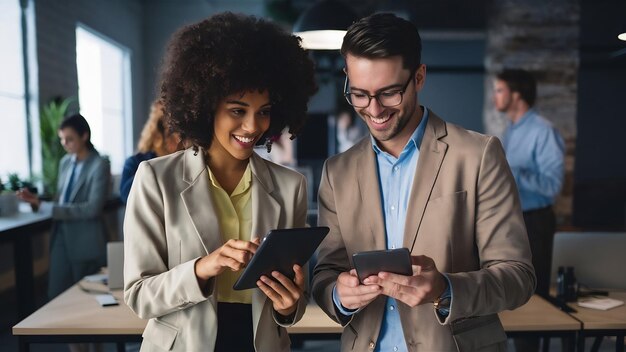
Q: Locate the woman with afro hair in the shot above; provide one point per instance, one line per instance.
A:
(194, 218)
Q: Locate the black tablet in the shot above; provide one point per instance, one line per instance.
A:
(279, 251)
(397, 261)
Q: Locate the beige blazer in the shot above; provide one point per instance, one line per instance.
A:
(463, 212)
(170, 222)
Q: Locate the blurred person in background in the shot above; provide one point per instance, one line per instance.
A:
(77, 244)
(535, 152)
(155, 140)
(350, 129)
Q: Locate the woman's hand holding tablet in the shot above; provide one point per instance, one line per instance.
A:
(279, 251)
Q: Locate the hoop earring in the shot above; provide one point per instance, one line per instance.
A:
(268, 144)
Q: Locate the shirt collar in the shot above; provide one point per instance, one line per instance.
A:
(242, 186)
(523, 119)
(416, 137)
(74, 158)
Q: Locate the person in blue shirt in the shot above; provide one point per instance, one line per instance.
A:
(535, 152)
(416, 182)
(156, 140)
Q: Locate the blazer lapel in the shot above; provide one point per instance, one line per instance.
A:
(197, 200)
(63, 175)
(265, 209)
(83, 174)
(369, 190)
(432, 152)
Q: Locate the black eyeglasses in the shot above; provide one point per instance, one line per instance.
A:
(386, 99)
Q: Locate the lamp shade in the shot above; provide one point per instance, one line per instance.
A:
(621, 34)
(323, 25)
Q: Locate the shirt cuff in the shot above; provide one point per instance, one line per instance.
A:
(444, 312)
(343, 310)
(282, 320)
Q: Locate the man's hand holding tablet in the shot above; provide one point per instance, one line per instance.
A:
(397, 261)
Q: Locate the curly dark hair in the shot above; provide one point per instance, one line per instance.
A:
(227, 54)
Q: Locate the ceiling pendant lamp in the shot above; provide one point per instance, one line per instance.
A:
(622, 33)
(323, 25)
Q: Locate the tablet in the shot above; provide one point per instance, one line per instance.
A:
(397, 261)
(279, 251)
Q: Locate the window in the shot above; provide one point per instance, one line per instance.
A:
(14, 153)
(104, 94)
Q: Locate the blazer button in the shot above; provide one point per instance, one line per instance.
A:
(372, 345)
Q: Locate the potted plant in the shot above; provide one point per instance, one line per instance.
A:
(52, 114)
(15, 184)
(8, 199)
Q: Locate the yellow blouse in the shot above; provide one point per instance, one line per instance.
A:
(234, 213)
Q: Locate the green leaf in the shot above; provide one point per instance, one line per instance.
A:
(51, 116)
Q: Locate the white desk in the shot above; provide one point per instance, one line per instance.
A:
(539, 318)
(538, 315)
(19, 230)
(602, 323)
(25, 217)
(75, 316)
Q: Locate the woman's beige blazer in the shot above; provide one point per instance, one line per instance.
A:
(170, 222)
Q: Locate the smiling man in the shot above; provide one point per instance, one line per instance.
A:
(445, 193)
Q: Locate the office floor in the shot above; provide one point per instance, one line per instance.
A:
(8, 343)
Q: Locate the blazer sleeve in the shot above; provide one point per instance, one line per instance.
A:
(506, 279)
(151, 288)
(332, 255)
(97, 188)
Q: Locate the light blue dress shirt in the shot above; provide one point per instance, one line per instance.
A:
(395, 177)
(74, 176)
(535, 152)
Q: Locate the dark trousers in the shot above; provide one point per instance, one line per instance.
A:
(541, 226)
(63, 273)
(234, 330)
